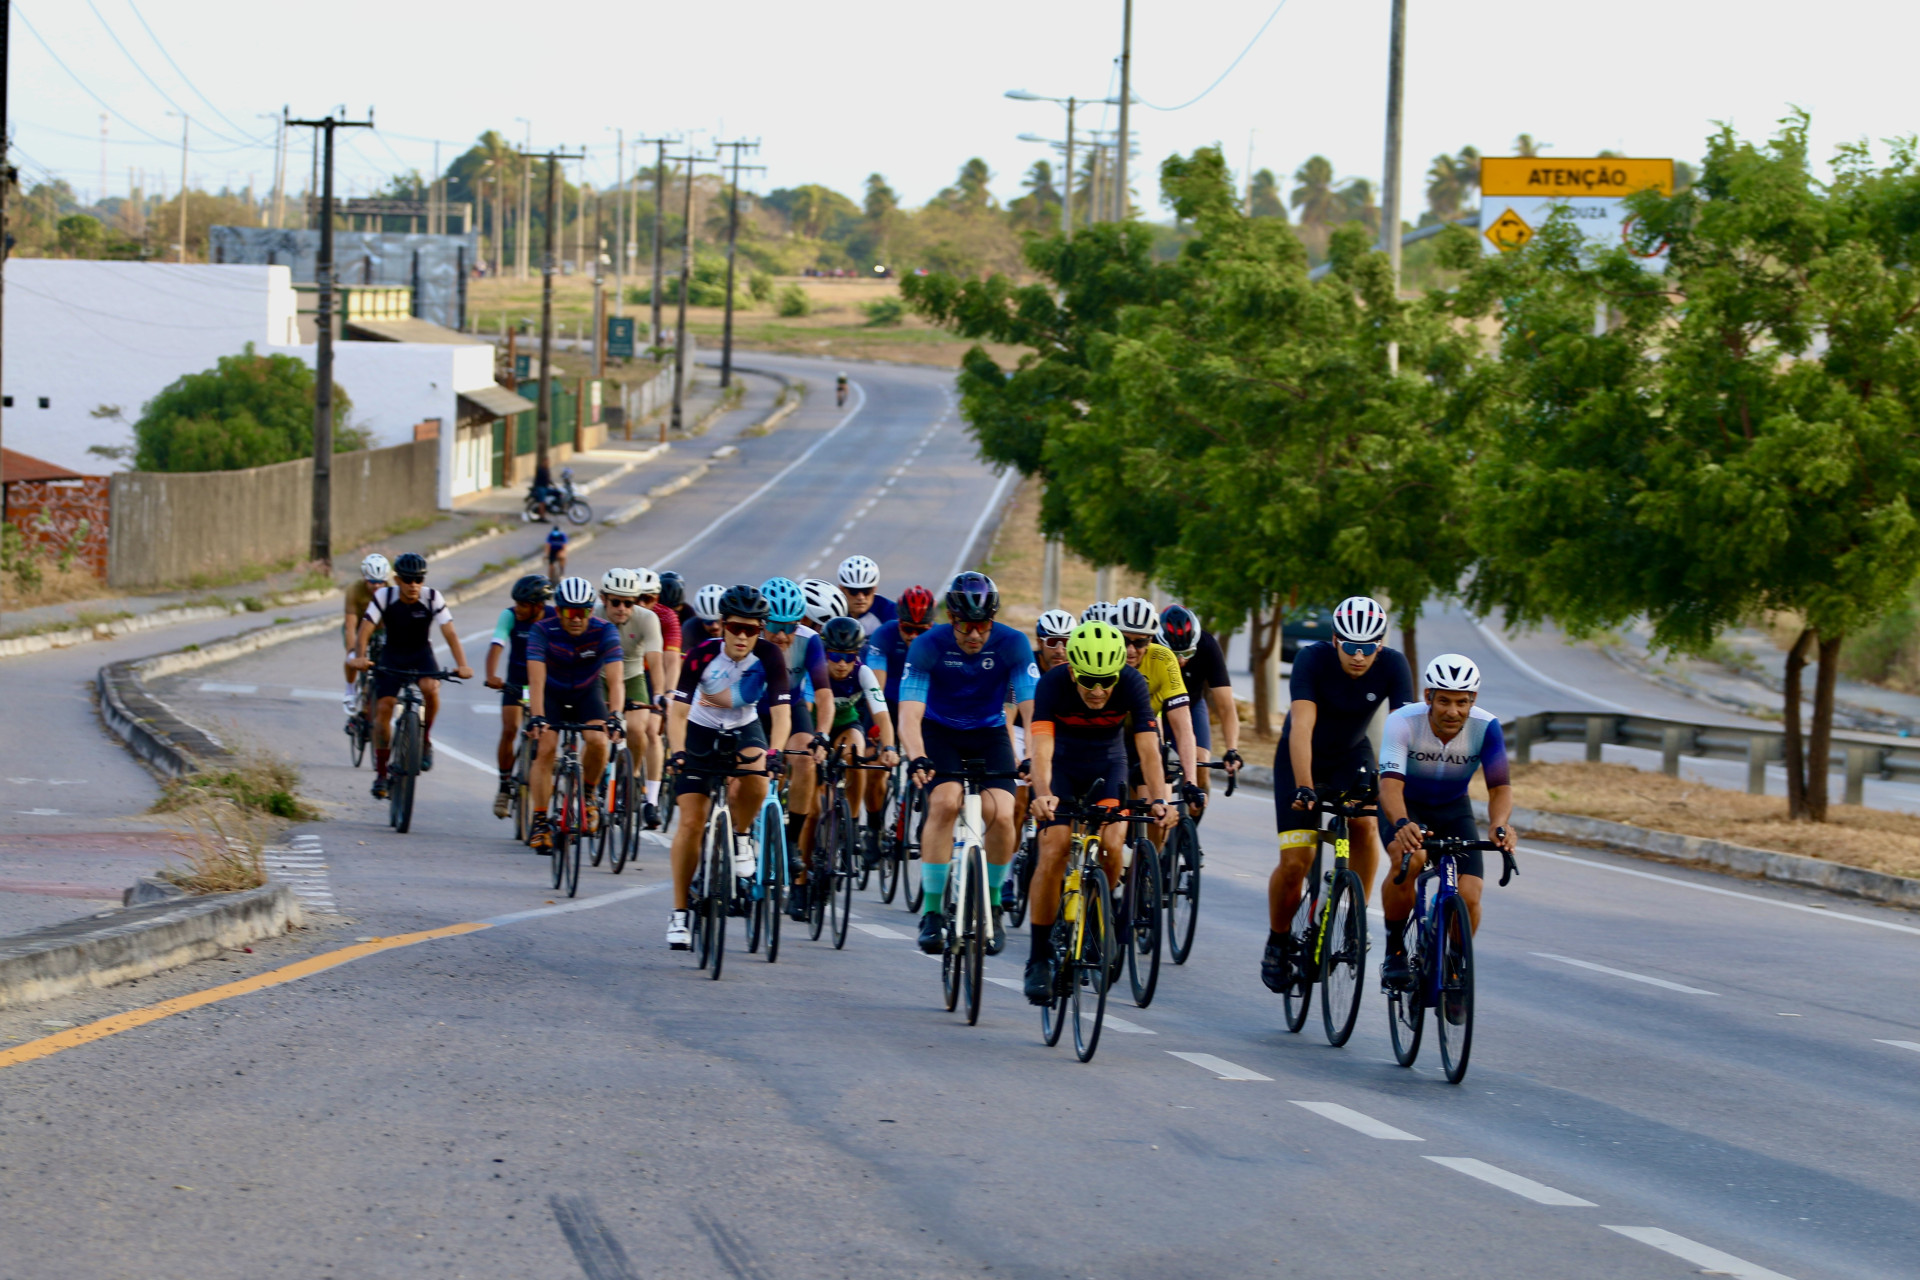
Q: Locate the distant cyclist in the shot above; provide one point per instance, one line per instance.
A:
(530, 596)
(374, 572)
(840, 391)
(703, 619)
(1203, 665)
(556, 553)
(860, 579)
(407, 612)
(1166, 687)
(1428, 755)
(575, 675)
(654, 589)
(825, 602)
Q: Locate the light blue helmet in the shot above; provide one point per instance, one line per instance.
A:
(785, 599)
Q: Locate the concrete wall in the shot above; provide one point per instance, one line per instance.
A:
(429, 264)
(172, 527)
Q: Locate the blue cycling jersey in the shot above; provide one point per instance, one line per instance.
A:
(574, 662)
(964, 690)
(1436, 773)
(887, 655)
(556, 540)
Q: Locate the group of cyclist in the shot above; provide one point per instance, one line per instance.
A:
(732, 680)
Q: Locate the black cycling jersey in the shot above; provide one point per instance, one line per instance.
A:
(1346, 704)
(1206, 669)
(409, 627)
(1081, 731)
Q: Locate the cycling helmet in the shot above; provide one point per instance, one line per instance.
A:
(1100, 611)
(1096, 649)
(649, 582)
(375, 568)
(1360, 619)
(412, 562)
(620, 582)
(673, 589)
(574, 593)
(706, 602)
(532, 589)
(1180, 630)
(857, 573)
(1054, 622)
(844, 635)
(824, 600)
(785, 601)
(972, 597)
(1453, 671)
(1136, 616)
(916, 606)
(744, 601)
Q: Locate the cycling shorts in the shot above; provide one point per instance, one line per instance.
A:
(1330, 777)
(637, 689)
(577, 706)
(1071, 780)
(1453, 819)
(948, 748)
(800, 722)
(1202, 724)
(706, 758)
(514, 694)
(388, 685)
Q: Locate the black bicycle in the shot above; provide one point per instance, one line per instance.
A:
(1142, 896)
(571, 801)
(1329, 926)
(836, 864)
(1180, 862)
(715, 894)
(903, 812)
(1440, 953)
(408, 743)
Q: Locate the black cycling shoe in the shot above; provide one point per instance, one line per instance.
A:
(380, 787)
(933, 933)
(997, 935)
(649, 815)
(797, 904)
(1039, 983)
(1276, 966)
(426, 756)
(1396, 971)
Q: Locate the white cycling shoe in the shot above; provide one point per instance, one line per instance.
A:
(746, 862)
(679, 937)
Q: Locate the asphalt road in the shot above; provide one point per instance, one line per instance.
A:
(1723, 1075)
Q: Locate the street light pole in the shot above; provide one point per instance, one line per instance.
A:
(543, 412)
(1126, 96)
(1390, 186)
(180, 250)
(659, 216)
(733, 238)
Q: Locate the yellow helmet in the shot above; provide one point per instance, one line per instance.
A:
(1096, 649)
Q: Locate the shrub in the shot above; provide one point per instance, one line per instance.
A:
(792, 302)
(247, 411)
(883, 311)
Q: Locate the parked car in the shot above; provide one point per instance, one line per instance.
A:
(1304, 626)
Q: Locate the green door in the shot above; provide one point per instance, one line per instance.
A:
(499, 452)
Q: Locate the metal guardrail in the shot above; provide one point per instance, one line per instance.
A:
(1676, 738)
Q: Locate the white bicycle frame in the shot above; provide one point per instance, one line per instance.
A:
(969, 831)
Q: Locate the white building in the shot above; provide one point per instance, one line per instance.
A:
(85, 339)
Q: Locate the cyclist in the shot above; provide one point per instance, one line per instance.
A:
(1099, 611)
(703, 622)
(407, 612)
(556, 553)
(810, 704)
(1427, 756)
(374, 572)
(1083, 711)
(1203, 665)
(859, 715)
(622, 596)
(860, 579)
(673, 594)
(840, 392)
(654, 592)
(1337, 686)
(824, 601)
(530, 596)
(1166, 688)
(1050, 634)
(953, 695)
(721, 687)
(575, 672)
(887, 649)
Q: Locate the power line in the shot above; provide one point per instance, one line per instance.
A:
(128, 53)
(1224, 74)
(176, 68)
(61, 63)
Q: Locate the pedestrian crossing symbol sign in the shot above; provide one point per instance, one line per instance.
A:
(1509, 232)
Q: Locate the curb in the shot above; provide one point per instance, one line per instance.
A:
(17, 646)
(133, 942)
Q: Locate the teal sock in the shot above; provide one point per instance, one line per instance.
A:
(933, 879)
(996, 876)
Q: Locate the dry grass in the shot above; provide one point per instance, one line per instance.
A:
(1016, 561)
(57, 586)
(225, 849)
(1860, 837)
(253, 782)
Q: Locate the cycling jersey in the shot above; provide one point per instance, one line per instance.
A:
(409, 627)
(573, 662)
(969, 690)
(806, 663)
(725, 694)
(1166, 685)
(1346, 704)
(669, 626)
(1436, 773)
(1080, 731)
(887, 655)
(878, 614)
(857, 698)
(359, 596)
(639, 636)
(1206, 669)
(510, 633)
(556, 542)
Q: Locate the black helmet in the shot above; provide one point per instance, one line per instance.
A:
(972, 597)
(673, 589)
(532, 589)
(1180, 629)
(843, 635)
(411, 564)
(744, 602)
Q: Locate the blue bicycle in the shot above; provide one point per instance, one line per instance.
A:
(768, 891)
(1440, 954)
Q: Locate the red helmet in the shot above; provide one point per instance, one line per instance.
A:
(916, 606)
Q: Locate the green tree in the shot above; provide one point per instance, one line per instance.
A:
(248, 411)
(1314, 194)
(881, 199)
(969, 193)
(1451, 182)
(1525, 145)
(1263, 198)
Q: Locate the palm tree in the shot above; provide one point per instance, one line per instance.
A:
(1451, 182)
(1313, 193)
(969, 190)
(499, 168)
(881, 199)
(1354, 202)
(1263, 197)
(1524, 145)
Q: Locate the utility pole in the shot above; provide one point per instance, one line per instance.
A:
(659, 223)
(320, 547)
(1126, 96)
(1390, 187)
(280, 176)
(620, 233)
(686, 280)
(180, 250)
(733, 237)
(6, 159)
(543, 413)
(1066, 188)
(101, 199)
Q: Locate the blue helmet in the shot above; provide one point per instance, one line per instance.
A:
(785, 600)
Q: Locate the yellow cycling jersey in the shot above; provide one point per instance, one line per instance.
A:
(1166, 684)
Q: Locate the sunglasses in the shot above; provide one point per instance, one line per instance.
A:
(1053, 642)
(912, 630)
(1095, 682)
(782, 628)
(413, 579)
(575, 611)
(620, 602)
(1139, 642)
(648, 600)
(742, 628)
(1358, 648)
(842, 658)
(974, 628)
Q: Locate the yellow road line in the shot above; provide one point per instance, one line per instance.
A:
(113, 1026)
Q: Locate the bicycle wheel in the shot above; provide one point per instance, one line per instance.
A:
(1053, 1014)
(1453, 960)
(950, 943)
(1407, 1008)
(1343, 957)
(890, 847)
(912, 821)
(773, 875)
(1020, 877)
(403, 766)
(845, 872)
(357, 738)
(1087, 997)
(577, 837)
(1298, 997)
(626, 805)
(976, 923)
(1145, 901)
(719, 855)
(578, 511)
(820, 873)
(522, 802)
(557, 825)
(1182, 888)
(603, 833)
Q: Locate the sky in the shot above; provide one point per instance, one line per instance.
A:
(837, 89)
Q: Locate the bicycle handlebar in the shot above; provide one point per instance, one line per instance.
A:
(1448, 846)
(452, 676)
(1233, 779)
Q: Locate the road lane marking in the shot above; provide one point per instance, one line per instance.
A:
(1538, 1192)
(1536, 674)
(881, 931)
(492, 771)
(1219, 1066)
(1902, 1044)
(215, 686)
(1709, 1259)
(1622, 973)
(1358, 1121)
(973, 535)
(315, 694)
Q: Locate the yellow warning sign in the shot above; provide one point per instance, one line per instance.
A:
(1509, 232)
(1600, 176)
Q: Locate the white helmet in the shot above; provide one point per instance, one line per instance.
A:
(574, 593)
(1054, 622)
(824, 601)
(1137, 616)
(857, 573)
(1360, 619)
(1100, 611)
(1453, 671)
(706, 602)
(649, 582)
(375, 568)
(620, 582)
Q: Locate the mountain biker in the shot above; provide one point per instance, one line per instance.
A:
(530, 596)
(374, 572)
(407, 611)
(575, 673)
(860, 579)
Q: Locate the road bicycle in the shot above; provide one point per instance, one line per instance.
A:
(769, 889)
(903, 812)
(836, 864)
(1329, 927)
(1016, 892)
(1084, 941)
(520, 797)
(621, 788)
(569, 805)
(408, 744)
(966, 905)
(1440, 954)
(1180, 862)
(359, 725)
(715, 892)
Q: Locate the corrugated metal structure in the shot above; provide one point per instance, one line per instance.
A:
(435, 267)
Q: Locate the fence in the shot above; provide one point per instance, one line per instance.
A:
(173, 527)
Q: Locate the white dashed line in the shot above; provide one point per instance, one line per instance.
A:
(316, 695)
(1358, 1121)
(214, 686)
(1219, 1066)
(1710, 1260)
(442, 749)
(881, 931)
(1622, 973)
(1538, 1192)
(1902, 1044)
